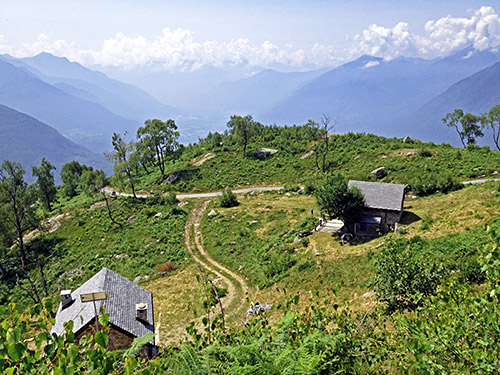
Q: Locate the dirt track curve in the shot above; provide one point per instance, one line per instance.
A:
(209, 264)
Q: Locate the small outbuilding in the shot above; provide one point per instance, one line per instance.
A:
(129, 306)
(383, 207)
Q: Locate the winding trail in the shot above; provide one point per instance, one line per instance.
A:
(237, 288)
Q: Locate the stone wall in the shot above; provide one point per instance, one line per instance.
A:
(116, 340)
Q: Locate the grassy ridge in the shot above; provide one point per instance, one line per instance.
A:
(354, 155)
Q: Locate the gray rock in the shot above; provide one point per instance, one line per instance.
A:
(253, 222)
(265, 151)
(379, 172)
(306, 155)
(212, 213)
(232, 243)
(159, 214)
(137, 280)
(131, 219)
(171, 179)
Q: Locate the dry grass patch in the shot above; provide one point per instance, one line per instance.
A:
(455, 212)
(174, 297)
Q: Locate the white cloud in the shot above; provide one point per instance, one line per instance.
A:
(441, 37)
(181, 49)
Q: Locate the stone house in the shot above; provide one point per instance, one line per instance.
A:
(383, 207)
(129, 306)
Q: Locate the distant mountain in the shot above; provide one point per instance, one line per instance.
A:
(83, 121)
(26, 140)
(368, 93)
(122, 99)
(254, 94)
(477, 94)
(178, 88)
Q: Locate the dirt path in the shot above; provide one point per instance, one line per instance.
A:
(234, 282)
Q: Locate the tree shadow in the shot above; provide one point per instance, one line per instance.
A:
(42, 246)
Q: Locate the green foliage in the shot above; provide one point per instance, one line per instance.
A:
(433, 183)
(457, 332)
(92, 182)
(45, 185)
(157, 138)
(492, 120)
(469, 128)
(16, 206)
(124, 164)
(228, 199)
(242, 129)
(70, 176)
(337, 201)
(403, 277)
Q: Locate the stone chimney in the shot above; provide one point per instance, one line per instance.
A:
(141, 310)
(66, 298)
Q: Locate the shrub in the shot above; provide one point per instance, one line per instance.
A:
(166, 267)
(228, 199)
(424, 153)
(171, 198)
(404, 276)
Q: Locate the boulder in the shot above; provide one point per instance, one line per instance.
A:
(306, 155)
(137, 280)
(159, 214)
(212, 213)
(253, 222)
(379, 172)
(265, 151)
(131, 219)
(171, 179)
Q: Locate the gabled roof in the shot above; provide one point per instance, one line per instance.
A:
(123, 295)
(381, 195)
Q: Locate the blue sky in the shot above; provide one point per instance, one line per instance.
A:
(305, 34)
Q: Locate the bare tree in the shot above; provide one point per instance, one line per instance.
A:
(326, 128)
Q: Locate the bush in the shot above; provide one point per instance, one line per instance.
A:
(404, 276)
(228, 199)
(424, 153)
(166, 267)
(171, 198)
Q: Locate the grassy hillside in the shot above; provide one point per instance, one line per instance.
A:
(205, 167)
(257, 241)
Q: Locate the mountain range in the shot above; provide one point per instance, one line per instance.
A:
(27, 140)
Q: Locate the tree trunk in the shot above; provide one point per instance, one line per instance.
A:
(145, 169)
(131, 179)
(109, 210)
(44, 280)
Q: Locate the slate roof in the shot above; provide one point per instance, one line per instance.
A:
(123, 295)
(381, 195)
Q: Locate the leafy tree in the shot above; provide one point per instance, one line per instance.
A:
(492, 120)
(161, 138)
(466, 125)
(70, 176)
(337, 200)
(121, 159)
(242, 129)
(17, 199)
(46, 187)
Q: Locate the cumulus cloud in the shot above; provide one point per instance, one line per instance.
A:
(181, 49)
(441, 37)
